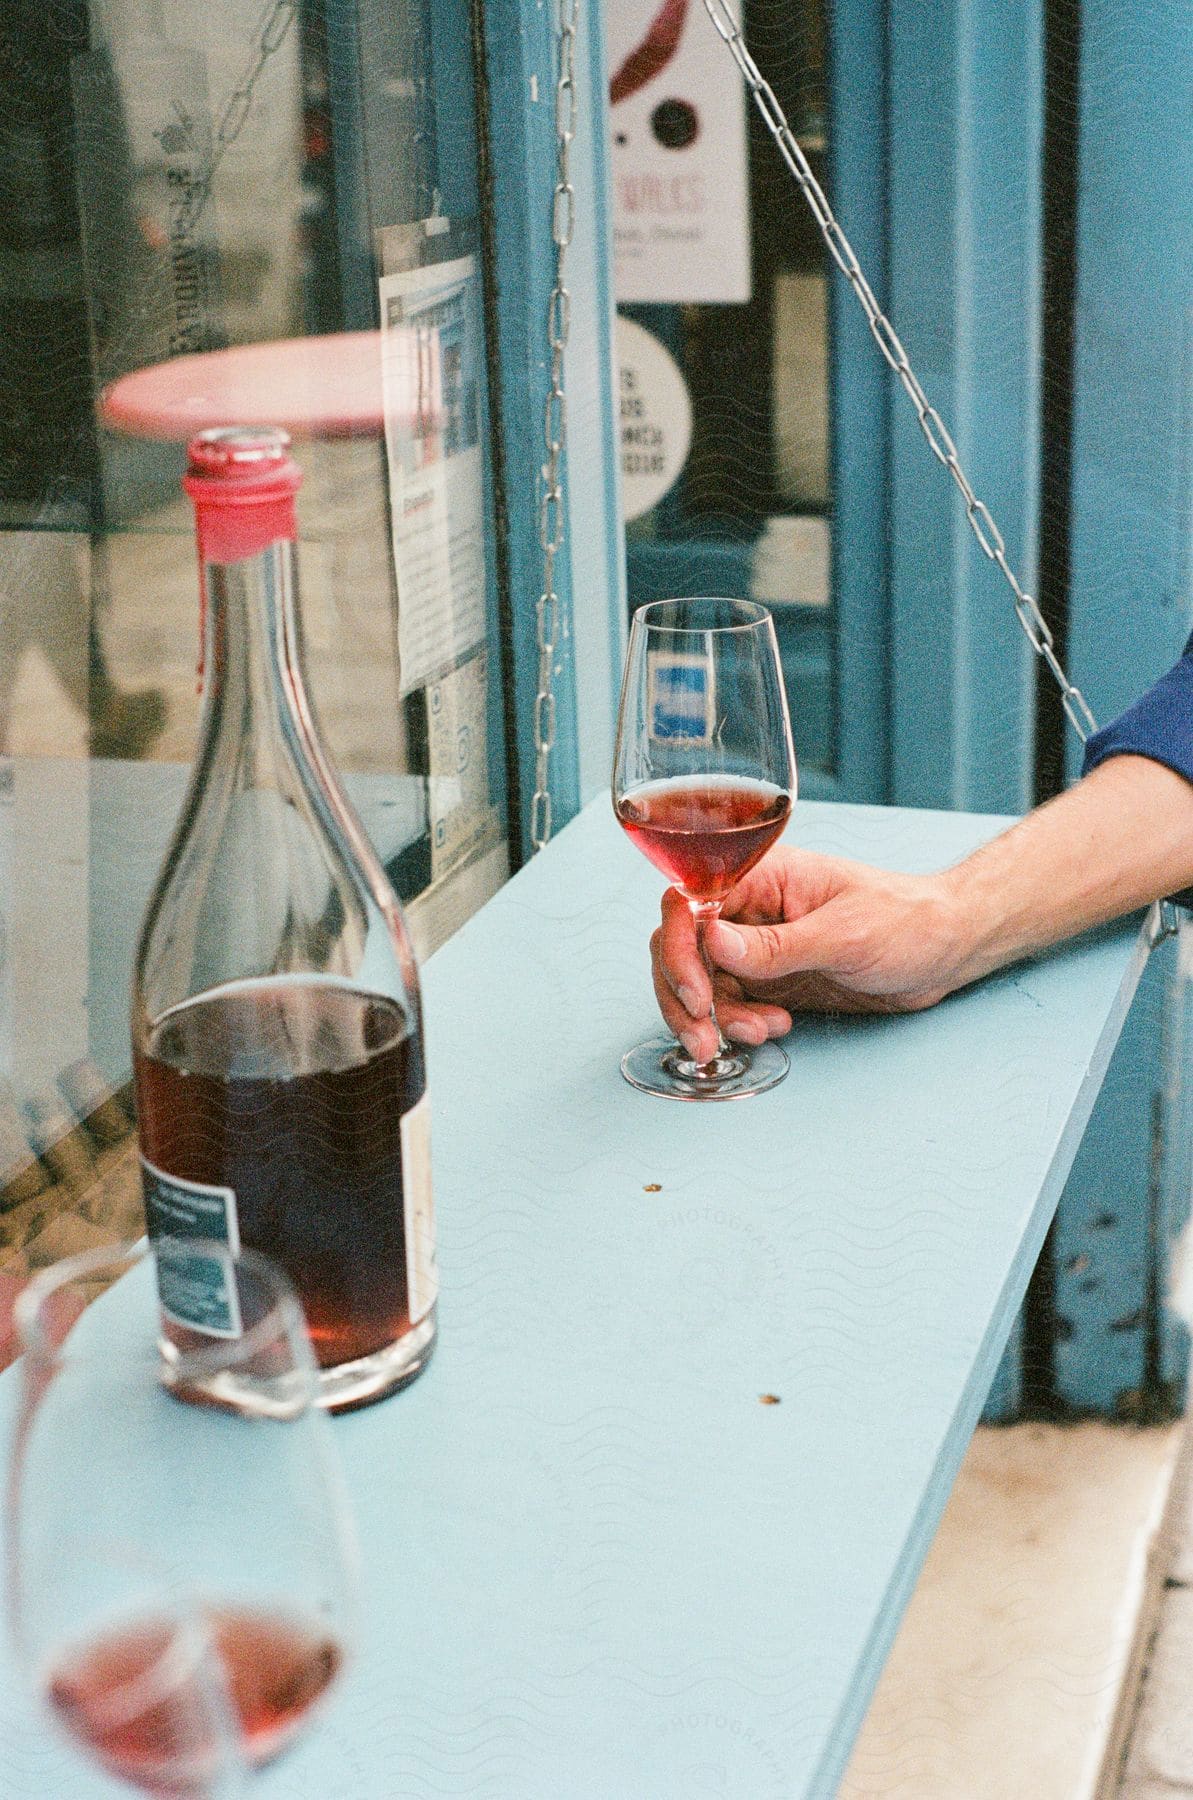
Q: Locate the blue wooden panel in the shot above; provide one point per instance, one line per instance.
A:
(1130, 610)
(858, 414)
(1131, 601)
(358, 282)
(454, 112)
(1105, 1245)
(520, 63)
(597, 547)
(596, 1565)
(964, 290)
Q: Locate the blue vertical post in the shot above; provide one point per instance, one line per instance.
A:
(520, 69)
(1130, 607)
(964, 284)
(595, 529)
(859, 410)
(519, 144)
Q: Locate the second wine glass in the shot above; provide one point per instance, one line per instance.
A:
(181, 1567)
(703, 783)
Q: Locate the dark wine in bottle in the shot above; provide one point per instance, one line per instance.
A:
(297, 1097)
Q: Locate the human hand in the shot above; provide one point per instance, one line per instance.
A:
(808, 933)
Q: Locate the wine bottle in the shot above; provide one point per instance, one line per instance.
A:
(277, 1037)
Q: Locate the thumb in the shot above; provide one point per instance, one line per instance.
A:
(767, 952)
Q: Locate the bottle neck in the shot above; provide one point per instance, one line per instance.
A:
(253, 683)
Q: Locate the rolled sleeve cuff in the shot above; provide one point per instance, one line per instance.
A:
(1160, 725)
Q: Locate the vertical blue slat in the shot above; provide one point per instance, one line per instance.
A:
(963, 289)
(1103, 1235)
(859, 405)
(455, 108)
(519, 53)
(1132, 492)
(966, 126)
(358, 296)
(594, 511)
(1130, 608)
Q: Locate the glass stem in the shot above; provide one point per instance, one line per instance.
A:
(703, 914)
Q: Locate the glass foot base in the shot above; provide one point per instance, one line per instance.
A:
(339, 1389)
(661, 1066)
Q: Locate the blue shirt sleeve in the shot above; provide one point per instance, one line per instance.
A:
(1159, 725)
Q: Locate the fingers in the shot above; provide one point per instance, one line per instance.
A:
(679, 957)
(749, 1021)
(694, 1029)
(742, 1020)
(685, 993)
(768, 952)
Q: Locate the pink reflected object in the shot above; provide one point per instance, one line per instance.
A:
(317, 387)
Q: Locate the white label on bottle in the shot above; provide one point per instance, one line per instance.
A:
(195, 1288)
(422, 1274)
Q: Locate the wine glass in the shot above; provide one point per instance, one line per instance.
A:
(181, 1572)
(703, 782)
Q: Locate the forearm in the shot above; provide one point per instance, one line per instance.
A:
(1119, 839)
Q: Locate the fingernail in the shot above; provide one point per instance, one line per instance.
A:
(691, 1044)
(730, 944)
(747, 1032)
(690, 1001)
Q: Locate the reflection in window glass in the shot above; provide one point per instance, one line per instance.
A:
(176, 182)
(723, 334)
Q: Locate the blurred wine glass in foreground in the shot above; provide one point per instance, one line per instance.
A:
(180, 1571)
(703, 782)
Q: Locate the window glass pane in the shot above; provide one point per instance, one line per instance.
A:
(722, 284)
(212, 214)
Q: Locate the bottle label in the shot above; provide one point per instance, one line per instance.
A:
(422, 1274)
(195, 1290)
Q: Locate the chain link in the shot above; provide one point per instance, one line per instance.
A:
(270, 36)
(551, 505)
(936, 433)
(1163, 922)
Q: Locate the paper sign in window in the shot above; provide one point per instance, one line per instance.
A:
(432, 370)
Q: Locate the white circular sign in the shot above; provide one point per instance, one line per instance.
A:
(655, 418)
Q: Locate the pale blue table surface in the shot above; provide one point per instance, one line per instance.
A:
(598, 1568)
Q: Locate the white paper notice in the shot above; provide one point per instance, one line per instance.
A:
(681, 209)
(463, 820)
(431, 370)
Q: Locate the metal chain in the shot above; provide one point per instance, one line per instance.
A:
(1163, 922)
(551, 506)
(270, 36)
(1036, 627)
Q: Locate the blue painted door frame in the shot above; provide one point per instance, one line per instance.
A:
(963, 203)
(860, 420)
(518, 50)
(960, 182)
(1119, 1349)
(937, 132)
